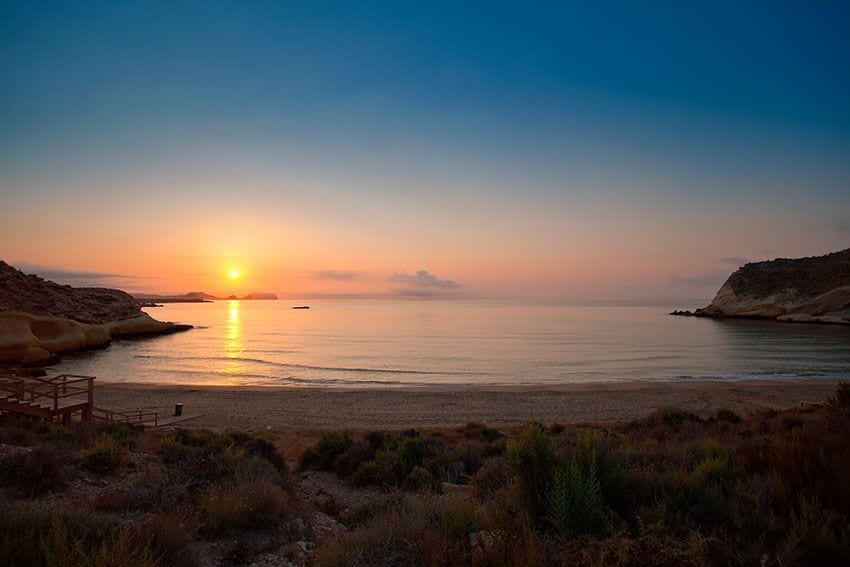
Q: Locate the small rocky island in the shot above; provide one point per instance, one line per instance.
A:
(803, 290)
(40, 318)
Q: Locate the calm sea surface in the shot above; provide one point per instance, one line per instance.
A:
(414, 343)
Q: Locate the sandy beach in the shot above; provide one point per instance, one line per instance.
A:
(225, 407)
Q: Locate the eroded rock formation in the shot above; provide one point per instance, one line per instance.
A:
(39, 314)
(807, 290)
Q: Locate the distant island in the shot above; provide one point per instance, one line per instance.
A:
(150, 299)
(803, 290)
(40, 318)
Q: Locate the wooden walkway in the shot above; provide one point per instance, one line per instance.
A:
(60, 399)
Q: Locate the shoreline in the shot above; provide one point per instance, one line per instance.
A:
(296, 407)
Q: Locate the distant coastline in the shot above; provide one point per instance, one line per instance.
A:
(151, 299)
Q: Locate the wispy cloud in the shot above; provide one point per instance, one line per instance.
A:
(422, 279)
(734, 260)
(77, 277)
(423, 284)
(701, 280)
(338, 275)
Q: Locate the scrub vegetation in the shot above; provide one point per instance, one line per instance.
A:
(672, 488)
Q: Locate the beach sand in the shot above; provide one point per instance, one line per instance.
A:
(228, 407)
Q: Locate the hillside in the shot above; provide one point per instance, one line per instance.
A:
(814, 289)
(39, 317)
(31, 294)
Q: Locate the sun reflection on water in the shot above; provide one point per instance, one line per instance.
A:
(233, 340)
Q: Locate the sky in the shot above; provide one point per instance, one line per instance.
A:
(612, 150)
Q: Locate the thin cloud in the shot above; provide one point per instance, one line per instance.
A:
(422, 279)
(704, 280)
(338, 275)
(77, 277)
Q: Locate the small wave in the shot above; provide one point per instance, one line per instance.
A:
(312, 367)
(752, 376)
(343, 382)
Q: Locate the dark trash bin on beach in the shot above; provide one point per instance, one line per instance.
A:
(178, 409)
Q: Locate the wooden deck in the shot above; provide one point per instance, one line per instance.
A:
(55, 399)
(62, 398)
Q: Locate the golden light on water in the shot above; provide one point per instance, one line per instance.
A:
(233, 340)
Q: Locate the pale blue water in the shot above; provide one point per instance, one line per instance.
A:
(420, 343)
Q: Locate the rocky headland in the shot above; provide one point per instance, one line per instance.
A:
(802, 290)
(40, 318)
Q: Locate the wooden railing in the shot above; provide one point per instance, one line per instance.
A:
(136, 417)
(35, 390)
(50, 394)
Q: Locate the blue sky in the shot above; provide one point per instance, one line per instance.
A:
(407, 114)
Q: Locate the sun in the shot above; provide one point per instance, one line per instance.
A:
(233, 274)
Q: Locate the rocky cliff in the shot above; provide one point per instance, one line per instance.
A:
(808, 290)
(39, 317)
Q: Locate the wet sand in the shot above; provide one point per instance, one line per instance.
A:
(229, 407)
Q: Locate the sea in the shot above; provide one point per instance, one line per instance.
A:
(431, 343)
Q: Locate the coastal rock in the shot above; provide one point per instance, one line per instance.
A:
(35, 355)
(804, 290)
(260, 295)
(38, 315)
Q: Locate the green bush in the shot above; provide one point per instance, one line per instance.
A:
(419, 479)
(325, 453)
(58, 434)
(535, 462)
(106, 456)
(815, 537)
(575, 504)
(458, 517)
(669, 417)
(205, 457)
(248, 505)
(30, 538)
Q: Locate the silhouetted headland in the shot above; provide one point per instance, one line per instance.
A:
(804, 290)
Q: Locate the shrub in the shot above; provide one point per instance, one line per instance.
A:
(403, 534)
(481, 431)
(106, 456)
(245, 506)
(419, 479)
(329, 447)
(839, 401)
(493, 475)
(35, 472)
(32, 538)
(393, 463)
(58, 434)
(575, 505)
(815, 537)
(152, 491)
(669, 417)
(171, 451)
(361, 514)
(725, 415)
(170, 540)
(458, 517)
(534, 461)
(206, 457)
